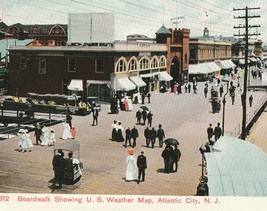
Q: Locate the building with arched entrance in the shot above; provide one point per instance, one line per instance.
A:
(177, 41)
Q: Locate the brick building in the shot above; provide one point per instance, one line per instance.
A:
(47, 35)
(100, 71)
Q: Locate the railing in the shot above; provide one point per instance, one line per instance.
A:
(249, 117)
(254, 110)
(27, 124)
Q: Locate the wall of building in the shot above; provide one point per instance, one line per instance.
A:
(22, 81)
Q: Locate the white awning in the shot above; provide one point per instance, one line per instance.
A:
(225, 64)
(97, 82)
(213, 66)
(89, 82)
(124, 84)
(76, 85)
(236, 168)
(164, 76)
(231, 63)
(148, 75)
(138, 81)
(203, 68)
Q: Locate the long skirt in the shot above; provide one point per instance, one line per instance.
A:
(114, 135)
(120, 136)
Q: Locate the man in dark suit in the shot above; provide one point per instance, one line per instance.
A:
(134, 136)
(149, 118)
(217, 132)
(148, 97)
(153, 135)
(160, 135)
(128, 135)
(176, 157)
(142, 165)
(144, 115)
(143, 97)
(210, 132)
(147, 134)
(58, 167)
(95, 116)
(138, 117)
(38, 133)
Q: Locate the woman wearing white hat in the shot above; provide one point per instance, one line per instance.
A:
(45, 134)
(25, 141)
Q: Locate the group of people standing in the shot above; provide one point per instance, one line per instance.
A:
(43, 136)
(151, 134)
(145, 116)
(130, 134)
(171, 158)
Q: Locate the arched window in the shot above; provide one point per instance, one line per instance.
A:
(132, 64)
(144, 63)
(121, 65)
(162, 61)
(154, 62)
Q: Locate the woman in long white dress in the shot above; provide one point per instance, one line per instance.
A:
(130, 104)
(131, 168)
(66, 131)
(45, 134)
(25, 143)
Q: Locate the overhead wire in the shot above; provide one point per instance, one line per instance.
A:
(132, 18)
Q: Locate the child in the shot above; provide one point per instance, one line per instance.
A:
(52, 139)
(73, 132)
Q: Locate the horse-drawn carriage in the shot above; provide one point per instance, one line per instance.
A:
(215, 101)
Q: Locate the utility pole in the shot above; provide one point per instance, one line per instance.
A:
(246, 35)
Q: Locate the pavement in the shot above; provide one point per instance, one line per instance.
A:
(184, 117)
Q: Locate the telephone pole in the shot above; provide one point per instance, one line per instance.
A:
(246, 35)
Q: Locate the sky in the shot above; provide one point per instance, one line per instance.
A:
(145, 16)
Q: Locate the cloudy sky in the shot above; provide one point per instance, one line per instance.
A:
(143, 16)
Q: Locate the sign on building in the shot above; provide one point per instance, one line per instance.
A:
(91, 28)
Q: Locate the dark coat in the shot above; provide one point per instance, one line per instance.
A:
(128, 133)
(138, 114)
(149, 116)
(176, 155)
(58, 163)
(147, 133)
(141, 162)
(38, 131)
(144, 114)
(217, 131)
(135, 133)
(153, 133)
(160, 133)
(210, 132)
(95, 112)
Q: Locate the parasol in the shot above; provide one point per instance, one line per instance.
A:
(144, 108)
(171, 141)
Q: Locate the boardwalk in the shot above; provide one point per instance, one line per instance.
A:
(185, 117)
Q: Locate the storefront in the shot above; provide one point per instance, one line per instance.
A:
(99, 89)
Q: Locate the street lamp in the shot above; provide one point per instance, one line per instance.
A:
(224, 101)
